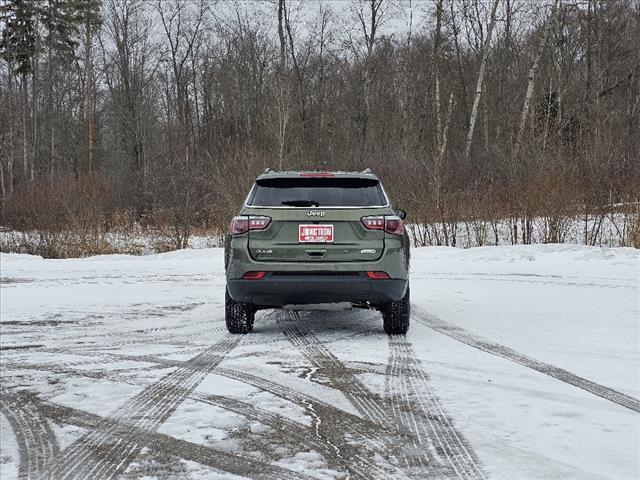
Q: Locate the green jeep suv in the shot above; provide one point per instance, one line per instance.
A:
(305, 238)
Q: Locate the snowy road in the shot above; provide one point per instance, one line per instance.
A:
(522, 362)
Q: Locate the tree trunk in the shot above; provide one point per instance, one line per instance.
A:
(283, 113)
(436, 73)
(370, 38)
(25, 106)
(281, 7)
(3, 192)
(532, 79)
(50, 107)
(445, 132)
(12, 151)
(485, 124)
(10, 162)
(35, 140)
(461, 76)
(52, 164)
(321, 137)
(480, 82)
(88, 92)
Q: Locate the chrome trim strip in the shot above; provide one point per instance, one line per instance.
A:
(246, 200)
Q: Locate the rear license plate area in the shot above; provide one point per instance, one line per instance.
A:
(315, 233)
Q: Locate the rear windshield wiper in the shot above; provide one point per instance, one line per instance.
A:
(301, 203)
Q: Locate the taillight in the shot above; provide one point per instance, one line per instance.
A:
(259, 223)
(242, 224)
(373, 223)
(389, 223)
(253, 275)
(239, 225)
(378, 275)
(393, 225)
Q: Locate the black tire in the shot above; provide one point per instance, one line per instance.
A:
(396, 316)
(238, 316)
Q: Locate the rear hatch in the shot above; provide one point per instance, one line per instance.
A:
(316, 219)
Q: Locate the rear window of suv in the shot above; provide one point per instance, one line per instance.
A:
(317, 192)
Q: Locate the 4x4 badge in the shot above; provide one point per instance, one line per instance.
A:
(315, 213)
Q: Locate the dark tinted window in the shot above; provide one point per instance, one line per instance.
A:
(316, 191)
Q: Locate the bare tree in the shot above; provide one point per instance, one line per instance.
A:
(283, 111)
(183, 24)
(89, 87)
(436, 74)
(480, 82)
(370, 14)
(532, 77)
(171, 108)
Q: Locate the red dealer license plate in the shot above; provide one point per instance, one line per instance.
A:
(315, 233)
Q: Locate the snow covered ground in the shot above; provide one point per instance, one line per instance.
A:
(521, 363)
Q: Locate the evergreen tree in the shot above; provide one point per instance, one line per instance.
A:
(18, 36)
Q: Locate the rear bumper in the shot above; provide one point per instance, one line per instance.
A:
(277, 291)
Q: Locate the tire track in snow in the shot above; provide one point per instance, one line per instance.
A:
(96, 344)
(430, 422)
(109, 449)
(153, 334)
(285, 428)
(281, 391)
(119, 279)
(367, 403)
(415, 408)
(170, 446)
(329, 444)
(45, 367)
(36, 441)
(507, 353)
(102, 333)
(402, 415)
(394, 435)
(336, 427)
(309, 437)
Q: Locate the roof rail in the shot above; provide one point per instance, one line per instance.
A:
(267, 170)
(366, 170)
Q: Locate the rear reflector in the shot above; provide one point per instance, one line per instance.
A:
(378, 275)
(253, 275)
